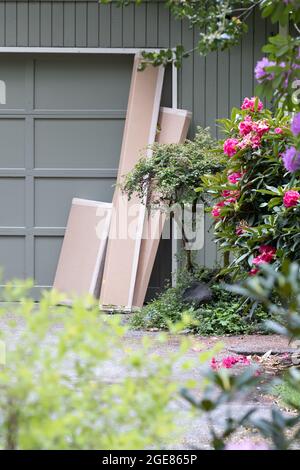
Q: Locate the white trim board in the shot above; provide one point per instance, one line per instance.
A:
(174, 241)
(90, 203)
(74, 50)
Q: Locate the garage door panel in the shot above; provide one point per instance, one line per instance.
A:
(12, 205)
(53, 197)
(85, 83)
(12, 257)
(61, 134)
(46, 254)
(13, 74)
(78, 143)
(12, 138)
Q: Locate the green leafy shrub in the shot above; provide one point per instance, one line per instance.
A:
(167, 180)
(167, 308)
(172, 173)
(226, 314)
(160, 313)
(55, 390)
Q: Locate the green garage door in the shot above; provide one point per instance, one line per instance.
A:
(60, 136)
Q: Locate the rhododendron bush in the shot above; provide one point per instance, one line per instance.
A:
(256, 199)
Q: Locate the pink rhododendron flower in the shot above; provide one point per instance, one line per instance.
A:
(278, 130)
(259, 260)
(267, 254)
(267, 251)
(231, 193)
(291, 198)
(250, 104)
(234, 178)
(250, 140)
(244, 360)
(230, 200)
(246, 126)
(253, 271)
(255, 141)
(230, 147)
(239, 230)
(216, 212)
(261, 127)
(229, 361)
(245, 142)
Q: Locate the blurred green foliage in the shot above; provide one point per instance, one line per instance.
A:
(56, 387)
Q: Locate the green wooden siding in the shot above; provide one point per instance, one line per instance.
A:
(208, 86)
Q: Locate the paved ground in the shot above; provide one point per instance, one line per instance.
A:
(195, 430)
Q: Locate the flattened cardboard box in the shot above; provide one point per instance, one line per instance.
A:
(174, 125)
(123, 247)
(83, 249)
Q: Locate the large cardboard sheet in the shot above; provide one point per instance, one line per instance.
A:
(174, 125)
(140, 129)
(83, 250)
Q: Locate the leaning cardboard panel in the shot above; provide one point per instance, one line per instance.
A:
(83, 249)
(140, 130)
(174, 124)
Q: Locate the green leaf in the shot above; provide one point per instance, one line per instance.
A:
(268, 10)
(274, 202)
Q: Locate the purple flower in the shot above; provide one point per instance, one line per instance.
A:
(295, 127)
(291, 160)
(260, 70)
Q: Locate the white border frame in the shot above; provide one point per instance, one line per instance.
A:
(107, 50)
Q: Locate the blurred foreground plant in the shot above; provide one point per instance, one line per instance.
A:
(70, 382)
(225, 387)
